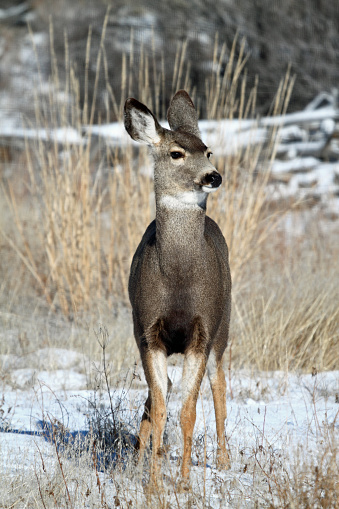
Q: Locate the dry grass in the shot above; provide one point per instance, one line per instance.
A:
(285, 312)
(309, 486)
(68, 234)
(71, 232)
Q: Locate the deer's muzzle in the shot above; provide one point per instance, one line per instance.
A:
(211, 180)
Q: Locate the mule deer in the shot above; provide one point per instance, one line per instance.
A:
(180, 283)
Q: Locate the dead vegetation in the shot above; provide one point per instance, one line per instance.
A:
(71, 228)
(68, 231)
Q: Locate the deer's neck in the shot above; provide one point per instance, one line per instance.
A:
(180, 237)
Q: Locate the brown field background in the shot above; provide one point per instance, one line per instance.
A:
(73, 216)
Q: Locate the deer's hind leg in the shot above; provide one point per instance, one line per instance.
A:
(218, 385)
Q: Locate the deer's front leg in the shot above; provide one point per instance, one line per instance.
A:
(154, 359)
(218, 385)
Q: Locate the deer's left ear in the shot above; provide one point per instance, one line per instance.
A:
(182, 115)
(140, 123)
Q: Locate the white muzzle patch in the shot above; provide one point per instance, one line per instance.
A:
(209, 189)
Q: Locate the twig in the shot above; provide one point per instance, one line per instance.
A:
(60, 462)
(95, 464)
(205, 452)
(40, 492)
(103, 333)
(229, 370)
(263, 429)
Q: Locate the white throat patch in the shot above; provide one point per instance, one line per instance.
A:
(185, 200)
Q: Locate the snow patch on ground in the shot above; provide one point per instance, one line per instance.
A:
(277, 414)
(274, 418)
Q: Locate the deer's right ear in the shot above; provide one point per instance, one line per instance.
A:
(140, 123)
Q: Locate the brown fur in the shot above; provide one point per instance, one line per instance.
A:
(180, 283)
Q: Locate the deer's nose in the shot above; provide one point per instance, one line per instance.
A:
(211, 179)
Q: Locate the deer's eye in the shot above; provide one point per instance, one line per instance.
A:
(176, 155)
(209, 154)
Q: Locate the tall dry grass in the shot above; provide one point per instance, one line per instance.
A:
(89, 211)
(285, 312)
(89, 203)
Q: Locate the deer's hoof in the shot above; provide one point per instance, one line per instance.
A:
(223, 461)
(183, 485)
(163, 451)
(153, 487)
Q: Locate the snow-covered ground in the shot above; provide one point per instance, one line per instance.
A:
(275, 420)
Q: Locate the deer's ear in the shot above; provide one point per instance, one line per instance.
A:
(140, 123)
(181, 114)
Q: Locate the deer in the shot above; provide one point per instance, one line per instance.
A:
(180, 282)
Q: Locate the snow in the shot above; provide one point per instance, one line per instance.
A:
(301, 117)
(308, 181)
(281, 413)
(13, 11)
(296, 165)
(65, 135)
(57, 358)
(62, 378)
